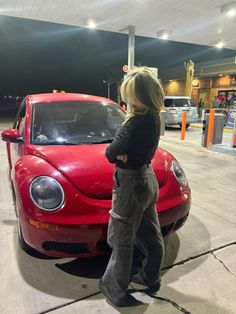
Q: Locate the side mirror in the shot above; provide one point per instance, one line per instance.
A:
(12, 136)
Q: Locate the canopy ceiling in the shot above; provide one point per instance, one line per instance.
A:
(197, 22)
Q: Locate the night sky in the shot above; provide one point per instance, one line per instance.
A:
(39, 57)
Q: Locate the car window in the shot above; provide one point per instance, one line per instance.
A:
(192, 103)
(115, 119)
(176, 102)
(19, 123)
(168, 102)
(74, 121)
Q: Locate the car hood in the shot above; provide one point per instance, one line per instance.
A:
(87, 168)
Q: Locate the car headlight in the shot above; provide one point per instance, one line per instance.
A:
(179, 173)
(46, 193)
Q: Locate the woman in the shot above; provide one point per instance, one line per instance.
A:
(133, 224)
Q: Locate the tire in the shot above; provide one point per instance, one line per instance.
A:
(23, 245)
(187, 125)
(14, 199)
(28, 249)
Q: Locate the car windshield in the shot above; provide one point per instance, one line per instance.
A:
(177, 102)
(75, 122)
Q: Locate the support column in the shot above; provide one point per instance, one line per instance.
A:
(189, 77)
(131, 46)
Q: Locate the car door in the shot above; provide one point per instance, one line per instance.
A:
(193, 111)
(16, 149)
(170, 111)
(184, 106)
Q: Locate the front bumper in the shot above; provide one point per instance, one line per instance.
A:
(90, 239)
(173, 219)
(177, 119)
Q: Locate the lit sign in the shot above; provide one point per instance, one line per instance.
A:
(195, 83)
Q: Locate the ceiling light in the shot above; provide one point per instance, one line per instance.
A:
(231, 13)
(229, 9)
(220, 45)
(91, 22)
(220, 74)
(163, 34)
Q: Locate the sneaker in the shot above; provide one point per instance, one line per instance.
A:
(126, 301)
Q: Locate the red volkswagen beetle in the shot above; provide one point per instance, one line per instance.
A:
(62, 181)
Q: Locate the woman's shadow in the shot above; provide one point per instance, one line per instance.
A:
(77, 278)
(85, 267)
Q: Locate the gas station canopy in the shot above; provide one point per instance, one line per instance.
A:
(208, 22)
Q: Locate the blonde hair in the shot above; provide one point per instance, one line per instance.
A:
(141, 84)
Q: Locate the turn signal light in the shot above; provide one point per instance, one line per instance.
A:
(42, 225)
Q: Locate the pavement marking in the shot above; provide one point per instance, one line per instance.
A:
(196, 126)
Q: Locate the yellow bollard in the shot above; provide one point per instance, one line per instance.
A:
(210, 128)
(183, 128)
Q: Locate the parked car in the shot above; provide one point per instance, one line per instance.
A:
(62, 181)
(175, 106)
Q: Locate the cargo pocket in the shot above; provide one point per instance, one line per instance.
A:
(141, 190)
(120, 230)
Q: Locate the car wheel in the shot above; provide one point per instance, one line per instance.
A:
(187, 125)
(23, 245)
(14, 198)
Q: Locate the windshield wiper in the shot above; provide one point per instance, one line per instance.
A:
(53, 142)
(67, 142)
(107, 140)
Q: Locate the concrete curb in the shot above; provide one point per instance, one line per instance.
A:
(199, 126)
(221, 148)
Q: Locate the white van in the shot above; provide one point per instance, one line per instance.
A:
(175, 105)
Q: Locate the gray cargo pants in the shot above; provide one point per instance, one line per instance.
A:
(133, 223)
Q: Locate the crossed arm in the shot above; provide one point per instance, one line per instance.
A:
(118, 148)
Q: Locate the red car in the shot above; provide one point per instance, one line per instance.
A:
(62, 181)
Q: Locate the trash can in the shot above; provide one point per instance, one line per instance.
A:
(219, 120)
(163, 123)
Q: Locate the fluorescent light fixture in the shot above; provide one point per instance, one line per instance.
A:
(231, 13)
(229, 9)
(220, 45)
(91, 22)
(164, 34)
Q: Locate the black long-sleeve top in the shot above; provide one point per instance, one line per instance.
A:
(138, 138)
